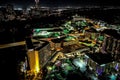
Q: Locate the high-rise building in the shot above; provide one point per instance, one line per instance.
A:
(111, 44)
(37, 4)
(39, 56)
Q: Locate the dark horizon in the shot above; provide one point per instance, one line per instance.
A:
(57, 3)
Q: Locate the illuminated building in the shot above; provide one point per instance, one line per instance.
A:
(38, 56)
(111, 44)
(28, 61)
(58, 43)
(33, 61)
(37, 4)
(44, 53)
(77, 18)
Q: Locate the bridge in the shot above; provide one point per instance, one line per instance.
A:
(15, 44)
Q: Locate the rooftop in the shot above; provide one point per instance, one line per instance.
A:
(100, 58)
(112, 32)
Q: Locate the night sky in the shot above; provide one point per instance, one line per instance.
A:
(63, 2)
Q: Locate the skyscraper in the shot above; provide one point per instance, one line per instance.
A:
(111, 44)
(37, 4)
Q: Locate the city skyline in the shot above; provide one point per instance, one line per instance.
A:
(57, 3)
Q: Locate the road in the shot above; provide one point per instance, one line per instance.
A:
(15, 44)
